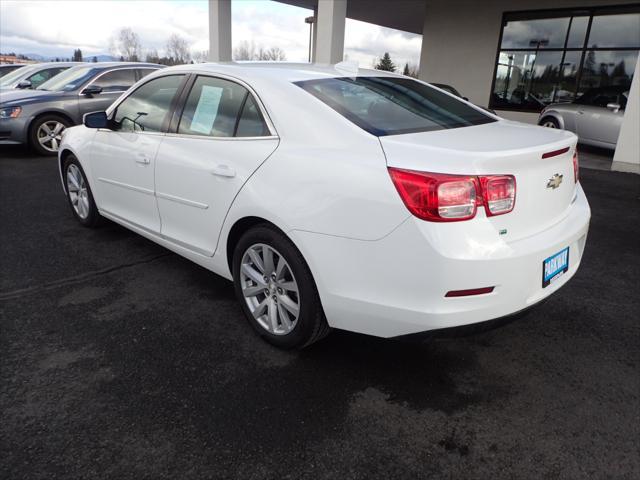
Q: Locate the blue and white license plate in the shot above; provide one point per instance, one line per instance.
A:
(554, 267)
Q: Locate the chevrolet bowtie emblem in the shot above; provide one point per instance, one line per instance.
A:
(554, 182)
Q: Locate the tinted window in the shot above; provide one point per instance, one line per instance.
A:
(44, 75)
(388, 106)
(143, 72)
(146, 108)
(577, 31)
(615, 31)
(251, 123)
(116, 80)
(603, 68)
(542, 33)
(551, 60)
(70, 79)
(212, 108)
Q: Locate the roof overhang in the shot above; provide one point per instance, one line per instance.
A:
(405, 15)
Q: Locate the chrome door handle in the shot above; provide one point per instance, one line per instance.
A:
(580, 112)
(223, 171)
(142, 158)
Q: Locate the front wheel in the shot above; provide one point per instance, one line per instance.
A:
(79, 193)
(276, 289)
(46, 134)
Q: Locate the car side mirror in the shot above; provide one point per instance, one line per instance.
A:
(614, 107)
(91, 90)
(24, 84)
(96, 120)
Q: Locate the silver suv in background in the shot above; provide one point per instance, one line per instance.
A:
(595, 116)
(32, 76)
(38, 117)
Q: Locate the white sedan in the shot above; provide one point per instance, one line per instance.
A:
(364, 201)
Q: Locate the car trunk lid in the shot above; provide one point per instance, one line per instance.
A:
(540, 159)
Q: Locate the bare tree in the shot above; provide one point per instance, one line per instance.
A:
(248, 51)
(273, 54)
(126, 44)
(178, 49)
(200, 57)
(244, 51)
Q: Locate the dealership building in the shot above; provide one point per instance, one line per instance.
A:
(514, 56)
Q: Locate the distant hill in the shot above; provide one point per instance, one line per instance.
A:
(103, 57)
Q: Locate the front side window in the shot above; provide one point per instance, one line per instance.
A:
(146, 109)
(557, 57)
(390, 106)
(116, 80)
(220, 108)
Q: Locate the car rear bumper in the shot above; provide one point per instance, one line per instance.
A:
(397, 285)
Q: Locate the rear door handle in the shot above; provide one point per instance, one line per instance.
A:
(223, 171)
(143, 159)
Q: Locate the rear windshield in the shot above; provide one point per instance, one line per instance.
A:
(391, 106)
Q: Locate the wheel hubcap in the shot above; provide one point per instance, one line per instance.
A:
(270, 289)
(49, 135)
(78, 193)
(549, 125)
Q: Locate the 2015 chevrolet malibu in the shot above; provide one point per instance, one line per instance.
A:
(364, 201)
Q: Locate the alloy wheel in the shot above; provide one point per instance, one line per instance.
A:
(270, 289)
(549, 124)
(78, 193)
(50, 134)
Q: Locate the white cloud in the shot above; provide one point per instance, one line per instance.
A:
(57, 27)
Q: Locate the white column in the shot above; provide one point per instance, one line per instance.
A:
(219, 30)
(627, 156)
(330, 31)
(314, 31)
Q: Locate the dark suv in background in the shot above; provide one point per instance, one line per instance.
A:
(38, 117)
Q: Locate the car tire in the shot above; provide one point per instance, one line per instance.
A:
(45, 134)
(549, 122)
(271, 291)
(79, 194)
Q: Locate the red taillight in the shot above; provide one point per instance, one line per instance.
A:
(576, 167)
(438, 197)
(498, 193)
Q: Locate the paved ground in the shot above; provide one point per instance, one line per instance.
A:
(120, 360)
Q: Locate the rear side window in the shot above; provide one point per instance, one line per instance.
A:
(220, 108)
(44, 75)
(251, 123)
(146, 109)
(391, 106)
(116, 80)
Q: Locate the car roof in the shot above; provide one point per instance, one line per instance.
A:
(105, 65)
(282, 71)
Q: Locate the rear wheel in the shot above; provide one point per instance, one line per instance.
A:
(46, 134)
(276, 289)
(549, 122)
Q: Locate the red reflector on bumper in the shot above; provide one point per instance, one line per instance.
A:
(555, 153)
(466, 293)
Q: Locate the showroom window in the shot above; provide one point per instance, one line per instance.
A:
(550, 57)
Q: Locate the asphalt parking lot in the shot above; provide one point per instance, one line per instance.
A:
(119, 359)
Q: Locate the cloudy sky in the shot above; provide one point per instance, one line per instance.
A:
(57, 27)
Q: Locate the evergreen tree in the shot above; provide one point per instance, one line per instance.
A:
(77, 55)
(94, 59)
(386, 63)
(406, 70)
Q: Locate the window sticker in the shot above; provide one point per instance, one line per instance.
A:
(207, 109)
